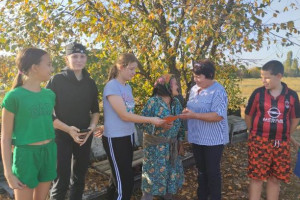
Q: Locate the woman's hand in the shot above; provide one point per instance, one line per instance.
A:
(180, 149)
(14, 182)
(157, 121)
(166, 126)
(99, 130)
(74, 133)
(186, 114)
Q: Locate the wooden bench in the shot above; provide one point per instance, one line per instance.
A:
(103, 166)
(237, 129)
(237, 133)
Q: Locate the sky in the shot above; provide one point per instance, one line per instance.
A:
(276, 51)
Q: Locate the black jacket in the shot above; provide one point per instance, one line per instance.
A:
(75, 100)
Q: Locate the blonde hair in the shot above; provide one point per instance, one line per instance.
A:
(123, 60)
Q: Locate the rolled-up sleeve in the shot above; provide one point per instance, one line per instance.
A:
(219, 103)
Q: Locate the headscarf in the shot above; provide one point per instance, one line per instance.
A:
(162, 85)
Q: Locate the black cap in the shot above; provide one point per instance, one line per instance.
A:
(75, 48)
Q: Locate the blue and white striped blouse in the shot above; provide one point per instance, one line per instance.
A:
(211, 99)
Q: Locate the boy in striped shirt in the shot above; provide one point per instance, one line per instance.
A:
(271, 115)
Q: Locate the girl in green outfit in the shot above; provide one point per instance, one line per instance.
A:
(27, 125)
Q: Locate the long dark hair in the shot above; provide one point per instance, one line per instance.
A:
(24, 61)
(123, 60)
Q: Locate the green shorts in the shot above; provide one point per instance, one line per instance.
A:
(33, 164)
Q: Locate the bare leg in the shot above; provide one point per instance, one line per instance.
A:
(41, 191)
(24, 194)
(255, 189)
(273, 188)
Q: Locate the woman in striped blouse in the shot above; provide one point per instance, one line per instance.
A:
(207, 128)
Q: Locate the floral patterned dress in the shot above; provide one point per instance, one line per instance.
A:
(159, 176)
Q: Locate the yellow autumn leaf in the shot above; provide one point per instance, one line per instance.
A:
(189, 39)
(193, 28)
(239, 34)
(151, 16)
(171, 50)
(290, 24)
(114, 5)
(93, 20)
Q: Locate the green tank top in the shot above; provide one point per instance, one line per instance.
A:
(32, 114)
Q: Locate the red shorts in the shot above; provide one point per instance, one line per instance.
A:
(268, 158)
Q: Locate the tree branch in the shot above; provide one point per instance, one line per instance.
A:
(92, 4)
(285, 38)
(217, 26)
(183, 68)
(142, 8)
(177, 39)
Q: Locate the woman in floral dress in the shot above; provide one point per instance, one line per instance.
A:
(162, 167)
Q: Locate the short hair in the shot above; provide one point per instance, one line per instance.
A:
(274, 67)
(205, 67)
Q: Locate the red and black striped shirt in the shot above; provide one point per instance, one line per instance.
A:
(271, 118)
